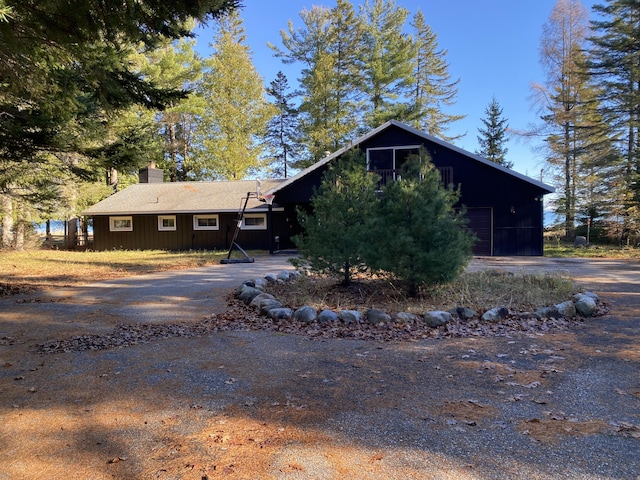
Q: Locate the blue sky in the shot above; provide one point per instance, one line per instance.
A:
(492, 48)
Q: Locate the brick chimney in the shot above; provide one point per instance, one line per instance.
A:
(151, 174)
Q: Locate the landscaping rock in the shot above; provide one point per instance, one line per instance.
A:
(269, 305)
(249, 293)
(284, 276)
(495, 314)
(350, 316)
(548, 312)
(305, 314)
(294, 275)
(246, 283)
(463, 313)
(259, 300)
(566, 309)
(271, 277)
(593, 295)
(260, 283)
(586, 305)
(376, 317)
(280, 313)
(436, 318)
(405, 317)
(327, 316)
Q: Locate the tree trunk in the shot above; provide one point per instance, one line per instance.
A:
(7, 221)
(20, 228)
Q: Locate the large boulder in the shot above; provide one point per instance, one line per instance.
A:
(436, 318)
(463, 313)
(259, 300)
(548, 312)
(305, 314)
(284, 275)
(268, 305)
(375, 317)
(247, 293)
(350, 316)
(406, 317)
(496, 314)
(586, 305)
(566, 309)
(327, 316)
(280, 313)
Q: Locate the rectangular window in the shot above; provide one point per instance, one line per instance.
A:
(205, 222)
(388, 161)
(166, 222)
(120, 224)
(256, 221)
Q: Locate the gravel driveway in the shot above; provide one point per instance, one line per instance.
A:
(253, 405)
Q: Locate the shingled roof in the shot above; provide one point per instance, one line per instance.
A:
(182, 197)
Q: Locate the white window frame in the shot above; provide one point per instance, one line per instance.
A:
(263, 216)
(206, 227)
(162, 218)
(114, 228)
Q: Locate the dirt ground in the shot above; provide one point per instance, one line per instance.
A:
(266, 405)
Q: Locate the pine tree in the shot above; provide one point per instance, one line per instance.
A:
(614, 60)
(327, 47)
(432, 89)
(335, 232)
(282, 129)
(236, 112)
(493, 136)
(177, 66)
(423, 239)
(386, 61)
(576, 137)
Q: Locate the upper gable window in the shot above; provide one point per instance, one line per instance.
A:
(120, 224)
(388, 161)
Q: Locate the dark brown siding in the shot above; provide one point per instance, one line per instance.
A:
(145, 234)
(480, 223)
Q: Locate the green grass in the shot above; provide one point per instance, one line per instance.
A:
(565, 250)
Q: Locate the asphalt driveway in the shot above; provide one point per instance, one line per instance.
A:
(267, 405)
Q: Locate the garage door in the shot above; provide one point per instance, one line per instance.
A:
(481, 223)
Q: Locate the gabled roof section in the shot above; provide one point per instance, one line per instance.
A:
(425, 136)
(182, 197)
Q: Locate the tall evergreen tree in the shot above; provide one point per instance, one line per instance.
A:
(493, 136)
(386, 61)
(236, 112)
(327, 47)
(615, 64)
(567, 104)
(282, 129)
(66, 75)
(432, 89)
(178, 66)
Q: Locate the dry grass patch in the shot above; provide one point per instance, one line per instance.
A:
(476, 290)
(40, 269)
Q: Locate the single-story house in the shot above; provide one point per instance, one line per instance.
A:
(182, 215)
(504, 207)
